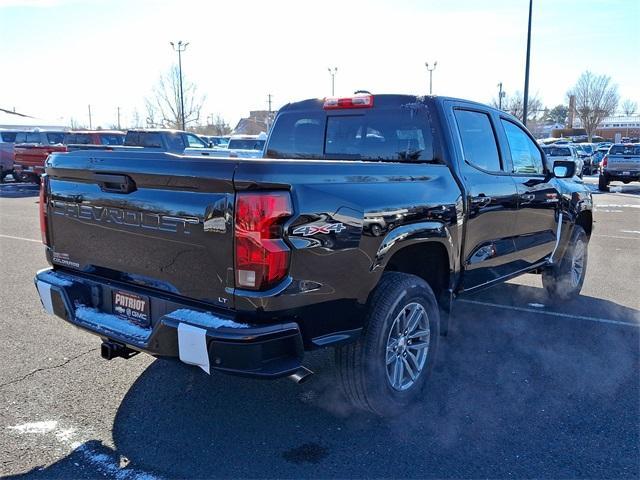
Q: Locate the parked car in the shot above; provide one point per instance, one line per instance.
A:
(218, 141)
(621, 163)
(7, 154)
(240, 265)
(165, 140)
(94, 137)
(32, 149)
(598, 155)
(584, 151)
(240, 146)
(564, 152)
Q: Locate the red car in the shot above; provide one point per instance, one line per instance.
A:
(33, 148)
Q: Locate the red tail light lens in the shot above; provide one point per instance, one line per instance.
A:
(43, 210)
(359, 101)
(605, 160)
(262, 257)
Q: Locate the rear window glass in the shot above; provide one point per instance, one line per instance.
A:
(28, 137)
(625, 150)
(8, 137)
(111, 139)
(401, 134)
(54, 138)
(144, 139)
(246, 144)
(557, 152)
(77, 139)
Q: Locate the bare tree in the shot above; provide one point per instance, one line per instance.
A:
(629, 107)
(514, 104)
(596, 98)
(163, 107)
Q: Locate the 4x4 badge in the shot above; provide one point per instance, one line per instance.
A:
(308, 230)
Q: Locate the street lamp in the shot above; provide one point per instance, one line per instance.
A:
(180, 47)
(332, 72)
(501, 95)
(526, 70)
(431, 69)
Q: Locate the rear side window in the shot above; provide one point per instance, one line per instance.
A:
(143, 139)
(401, 134)
(478, 140)
(28, 137)
(77, 139)
(525, 156)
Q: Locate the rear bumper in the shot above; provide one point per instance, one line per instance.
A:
(36, 169)
(622, 175)
(266, 351)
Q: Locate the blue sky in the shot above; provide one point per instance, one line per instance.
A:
(58, 56)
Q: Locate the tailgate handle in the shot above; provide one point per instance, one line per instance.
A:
(115, 183)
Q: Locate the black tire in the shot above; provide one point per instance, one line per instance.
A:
(559, 280)
(603, 183)
(362, 367)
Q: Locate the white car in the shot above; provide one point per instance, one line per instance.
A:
(240, 146)
(563, 152)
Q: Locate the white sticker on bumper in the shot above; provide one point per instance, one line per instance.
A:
(192, 346)
(44, 289)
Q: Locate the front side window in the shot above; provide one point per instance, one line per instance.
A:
(525, 156)
(195, 142)
(478, 140)
(8, 137)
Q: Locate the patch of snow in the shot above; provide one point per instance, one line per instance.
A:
(57, 280)
(105, 322)
(204, 319)
(536, 305)
(36, 427)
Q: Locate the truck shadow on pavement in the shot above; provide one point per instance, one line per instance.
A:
(19, 190)
(514, 393)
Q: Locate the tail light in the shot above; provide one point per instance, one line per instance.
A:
(359, 101)
(261, 255)
(43, 210)
(605, 160)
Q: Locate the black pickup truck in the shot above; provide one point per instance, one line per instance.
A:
(366, 218)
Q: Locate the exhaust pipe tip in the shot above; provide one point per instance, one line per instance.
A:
(301, 375)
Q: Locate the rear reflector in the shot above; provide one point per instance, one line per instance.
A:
(359, 101)
(43, 210)
(262, 256)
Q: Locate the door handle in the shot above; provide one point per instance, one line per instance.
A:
(481, 200)
(115, 183)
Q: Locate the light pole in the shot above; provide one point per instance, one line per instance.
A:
(526, 70)
(501, 95)
(180, 47)
(431, 69)
(332, 72)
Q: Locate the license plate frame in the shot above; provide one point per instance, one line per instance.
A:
(131, 306)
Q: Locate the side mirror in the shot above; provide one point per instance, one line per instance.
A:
(564, 169)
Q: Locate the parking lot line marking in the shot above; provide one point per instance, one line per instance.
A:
(555, 314)
(630, 231)
(617, 236)
(20, 238)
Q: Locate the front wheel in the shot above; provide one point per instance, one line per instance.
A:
(387, 368)
(564, 280)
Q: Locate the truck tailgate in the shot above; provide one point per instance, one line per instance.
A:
(153, 219)
(623, 162)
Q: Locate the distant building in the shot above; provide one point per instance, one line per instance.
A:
(257, 122)
(625, 126)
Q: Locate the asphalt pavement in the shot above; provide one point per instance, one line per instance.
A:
(521, 389)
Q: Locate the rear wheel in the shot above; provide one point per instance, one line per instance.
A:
(603, 183)
(387, 368)
(564, 280)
